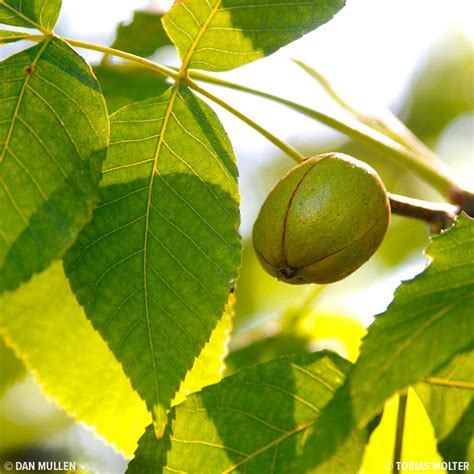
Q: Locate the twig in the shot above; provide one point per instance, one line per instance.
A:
(397, 452)
(438, 215)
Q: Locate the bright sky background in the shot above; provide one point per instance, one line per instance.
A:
(368, 50)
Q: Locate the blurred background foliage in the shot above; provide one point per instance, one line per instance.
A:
(271, 318)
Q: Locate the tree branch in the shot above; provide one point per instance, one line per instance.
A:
(439, 215)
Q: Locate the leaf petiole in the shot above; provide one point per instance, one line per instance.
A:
(431, 171)
(176, 76)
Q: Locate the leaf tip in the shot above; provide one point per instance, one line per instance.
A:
(160, 419)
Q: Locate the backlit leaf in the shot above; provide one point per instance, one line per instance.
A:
(255, 421)
(50, 333)
(53, 135)
(143, 36)
(218, 35)
(40, 14)
(429, 321)
(448, 397)
(154, 268)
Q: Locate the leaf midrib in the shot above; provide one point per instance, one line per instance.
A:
(154, 170)
(275, 442)
(463, 384)
(147, 228)
(197, 39)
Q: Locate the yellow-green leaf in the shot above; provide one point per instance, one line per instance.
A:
(49, 332)
(218, 35)
(448, 396)
(40, 14)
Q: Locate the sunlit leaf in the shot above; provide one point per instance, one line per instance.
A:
(218, 35)
(30, 13)
(143, 35)
(48, 330)
(429, 321)
(255, 421)
(448, 397)
(124, 84)
(154, 268)
(53, 135)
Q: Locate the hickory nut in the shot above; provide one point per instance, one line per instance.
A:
(322, 220)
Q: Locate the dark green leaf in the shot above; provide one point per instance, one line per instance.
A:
(209, 367)
(256, 421)
(123, 84)
(53, 136)
(143, 36)
(40, 14)
(459, 445)
(448, 397)
(12, 368)
(11, 36)
(266, 349)
(154, 268)
(429, 321)
(218, 35)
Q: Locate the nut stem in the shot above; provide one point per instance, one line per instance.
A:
(439, 215)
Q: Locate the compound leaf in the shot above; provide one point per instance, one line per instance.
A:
(143, 35)
(218, 35)
(448, 397)
(53, 137)
(154, 268)
(429, 322)
(50, 333)
(255, 421)
(40, 14)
